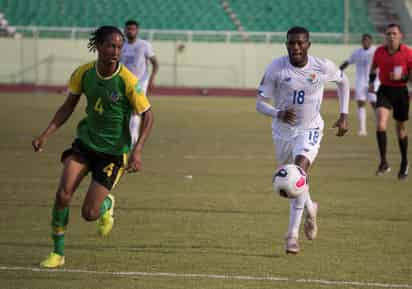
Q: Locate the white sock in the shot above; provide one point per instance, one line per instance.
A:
(295, 214)
(134, 128)
(362, 118)
(309, 202)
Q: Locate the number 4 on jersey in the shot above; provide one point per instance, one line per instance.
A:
(98, 106)
(298, 97)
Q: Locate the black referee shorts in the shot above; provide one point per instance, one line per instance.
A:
(396, 98)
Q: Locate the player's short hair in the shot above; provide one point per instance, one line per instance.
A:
(393, 25)
(367, 35)
(99, 35)
(132, 22)
(298, 30)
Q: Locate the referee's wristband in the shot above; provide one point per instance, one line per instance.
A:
(372, 77)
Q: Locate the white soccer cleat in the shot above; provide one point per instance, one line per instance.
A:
(292, 245)
(362, 133)
(311, 227)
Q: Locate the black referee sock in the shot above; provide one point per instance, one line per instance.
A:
(381, 138)
(403, 147)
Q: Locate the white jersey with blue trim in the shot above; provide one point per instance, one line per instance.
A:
(300, 88)
(135, 57)
(362, 58)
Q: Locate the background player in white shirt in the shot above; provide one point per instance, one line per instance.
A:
(136, 54)
(295, 83)
(362, 57)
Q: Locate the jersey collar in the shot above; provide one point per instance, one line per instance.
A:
(110, 76)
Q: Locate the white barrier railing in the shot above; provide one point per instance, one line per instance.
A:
(188, 35)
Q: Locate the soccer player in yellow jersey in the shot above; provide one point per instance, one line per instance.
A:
(103, 139)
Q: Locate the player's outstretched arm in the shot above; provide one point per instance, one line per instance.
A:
(135, 160)
(344, 96)
(288, 115)
(60, 117)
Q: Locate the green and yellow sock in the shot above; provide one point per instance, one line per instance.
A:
(60, 219)
(105, 206)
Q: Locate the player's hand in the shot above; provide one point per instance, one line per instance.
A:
(371, 88)
(135, 162)
(288, 116)
(150, 87)
(38, 144)
(341, 124)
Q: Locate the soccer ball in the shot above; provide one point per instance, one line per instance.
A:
(290, 181)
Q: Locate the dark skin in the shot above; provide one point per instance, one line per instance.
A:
(366, 44)
(297, 46)
(74, 170)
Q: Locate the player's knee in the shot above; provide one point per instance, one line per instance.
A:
(90, 214)
(401, 130)
(63, 198)
(361, 103)
(380, 125)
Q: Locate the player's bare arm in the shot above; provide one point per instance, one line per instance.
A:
(155, 68)
(372, 77)
(344, 65)
(61, 116)
(288, 115)
(344, 96)
(135, 159)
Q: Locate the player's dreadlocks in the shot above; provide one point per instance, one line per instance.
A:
(99, 35)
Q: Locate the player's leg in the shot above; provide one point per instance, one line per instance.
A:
(283, 153)
(99, 203)
(403, 147)
(401, 115)
(136, 121)
(361, 110)
(383, 106)
(305, 152)
(361, 96)
(74, 171)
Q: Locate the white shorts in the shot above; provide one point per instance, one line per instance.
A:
(362, 94)
(306, 144)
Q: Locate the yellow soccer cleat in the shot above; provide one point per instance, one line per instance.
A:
(52, 261)
(106, 221)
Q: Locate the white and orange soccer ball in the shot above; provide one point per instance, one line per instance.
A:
(290, 181)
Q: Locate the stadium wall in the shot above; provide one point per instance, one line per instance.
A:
(202, 65)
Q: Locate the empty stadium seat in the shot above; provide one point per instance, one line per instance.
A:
(262, 15)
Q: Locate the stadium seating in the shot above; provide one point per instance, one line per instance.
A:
(262, 15)
(316, 15)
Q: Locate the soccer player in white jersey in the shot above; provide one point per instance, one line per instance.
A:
(362, 57)
(136, 54)
(295, 84)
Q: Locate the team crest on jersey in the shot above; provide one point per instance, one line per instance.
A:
(288, 79)
(115, 96)
(138, 87)
(313, 78)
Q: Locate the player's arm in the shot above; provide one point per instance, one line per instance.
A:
(265, 108)
(60, 117)
(265, 93)
(343, 89)
(344, 65)
(155, 68)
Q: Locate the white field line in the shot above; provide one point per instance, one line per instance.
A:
(210, 276)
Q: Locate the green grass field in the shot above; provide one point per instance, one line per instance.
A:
(224, 221)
